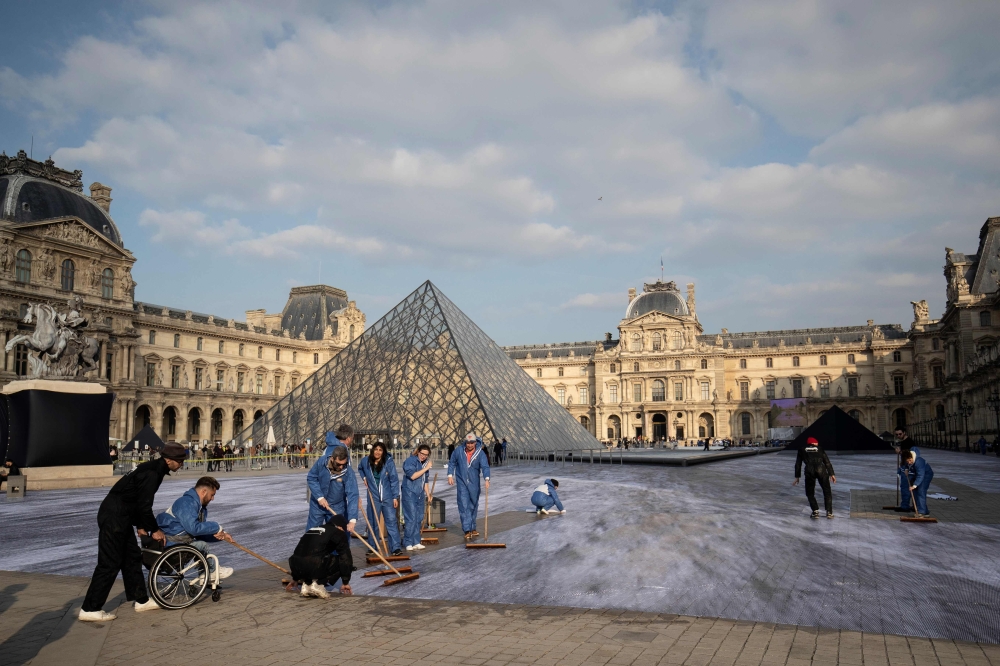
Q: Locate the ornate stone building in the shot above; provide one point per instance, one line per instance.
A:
(194, 377)
(664, 377)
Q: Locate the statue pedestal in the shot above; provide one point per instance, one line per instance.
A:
(59, 433)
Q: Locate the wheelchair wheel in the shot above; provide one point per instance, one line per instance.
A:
(179, 577)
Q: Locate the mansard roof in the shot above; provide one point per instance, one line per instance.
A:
(558, 349)
(803, 336)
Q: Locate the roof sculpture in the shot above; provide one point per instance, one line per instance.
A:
(424, 372)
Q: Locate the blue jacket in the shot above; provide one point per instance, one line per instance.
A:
(412, 488)
(340, 491)
(331, 442)
(187, 515)
(387, 487)
(920, 472)
(465, 472)
(550, 490)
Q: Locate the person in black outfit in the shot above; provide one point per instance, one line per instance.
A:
(818, 468)
(129, 503)
(322, 556)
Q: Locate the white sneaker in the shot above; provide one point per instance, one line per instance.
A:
(225, 572)
(544, 511)
(148, 606)
(419, 546)
(95, 616)
(319, 590)
(306, 590)
(410, 548)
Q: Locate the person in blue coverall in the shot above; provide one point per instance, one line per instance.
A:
(903, 447)
(920, 475)
(333, 488)
(342, 436)
(465, 465)
(186, 521)
(545, 497)
(414, 495)
(379, 473)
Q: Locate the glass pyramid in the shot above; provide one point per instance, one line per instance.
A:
(424, 372)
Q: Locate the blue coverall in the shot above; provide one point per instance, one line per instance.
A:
(904, 485)
(331, 442)
(340, 491)
(380, 495)
(921, 474)
(466, 475)
(186, 521)
(545, 496)
(414, 498)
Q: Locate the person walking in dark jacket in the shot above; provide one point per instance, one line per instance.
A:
(818, 468)
(129, 504)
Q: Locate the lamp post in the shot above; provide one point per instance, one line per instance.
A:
(966, 411)
(993, 401)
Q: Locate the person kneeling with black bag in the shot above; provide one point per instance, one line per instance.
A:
(323, 556)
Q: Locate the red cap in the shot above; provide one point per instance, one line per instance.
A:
(812, 440)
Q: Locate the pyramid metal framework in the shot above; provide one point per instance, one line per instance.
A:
(424, 372)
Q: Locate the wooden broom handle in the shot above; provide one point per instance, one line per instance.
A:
(262, 559)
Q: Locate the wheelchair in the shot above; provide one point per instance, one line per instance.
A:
(178, 574)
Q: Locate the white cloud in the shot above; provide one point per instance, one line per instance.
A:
(189, 231)
(603, 301)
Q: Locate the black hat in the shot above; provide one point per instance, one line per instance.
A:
(174, 451)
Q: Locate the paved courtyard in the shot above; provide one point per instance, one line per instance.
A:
(658, 546)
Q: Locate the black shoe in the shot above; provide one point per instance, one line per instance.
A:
(815, 514)
(397, 552)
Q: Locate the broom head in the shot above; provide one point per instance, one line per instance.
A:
(429, 540)
(911, 519)
(388, 558)
(428, 530)
(385, 572)
(485, 545)
(400, 579)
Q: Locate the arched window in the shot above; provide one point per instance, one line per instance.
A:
(351, 332)
(560, 372)
(538, 372)
(170, 421)
(260, 352)
(795, 361)
(704, 364)
(678, 340)
(743, 364)
(897, 356)
(984, 318)
(22, 267)
(677, 365)
(745, 423)
(585, 422)
(635, 367)
(659, 391)
(315, 359)
(657, 342)
(822, 359)
(67, 277)
(194, 422)
(854, 414)
(242, 347)
(237, 421)
(108, 283)
(636, 342)
(217, 423)
(177, 340)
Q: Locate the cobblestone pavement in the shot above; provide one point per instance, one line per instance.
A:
(257, 624)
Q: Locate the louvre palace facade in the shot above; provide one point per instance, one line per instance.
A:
(664, 377)
(193, 377)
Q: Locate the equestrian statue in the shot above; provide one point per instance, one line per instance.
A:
(60, 349)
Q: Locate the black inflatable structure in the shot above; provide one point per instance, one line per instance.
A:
(837, 432)
(53, 429)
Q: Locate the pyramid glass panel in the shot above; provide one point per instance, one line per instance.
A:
(424, 372)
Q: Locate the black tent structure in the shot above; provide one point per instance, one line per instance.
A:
(426, 372)
(837, 432)
(145, 436)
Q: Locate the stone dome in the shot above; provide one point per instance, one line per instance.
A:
(657, 297)
(35, 191)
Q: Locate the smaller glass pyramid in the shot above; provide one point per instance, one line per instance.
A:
(424, 372)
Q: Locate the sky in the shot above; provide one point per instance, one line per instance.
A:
(803, 163)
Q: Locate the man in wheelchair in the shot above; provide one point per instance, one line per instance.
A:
(186, 521)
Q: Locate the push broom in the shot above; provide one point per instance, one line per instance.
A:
(427, 513)
(917, 518)
(486, 529)
(367, 574)
(400, 576)
(373, 560)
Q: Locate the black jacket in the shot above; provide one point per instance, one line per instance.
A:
(324, 552)
(130, 500)
(816, 461)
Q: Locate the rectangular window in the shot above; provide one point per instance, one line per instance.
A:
(200, 343)
(277, 354)
(220, 379)
(177, 339)
(636, 392)
(796, 388)
(222, 347)
(295, 357)
(21, 360)
(295, 382)
(678, 391)
(538, 373)
(260, 352)
(175, 376)
(850, 359)
(769, 362)
(240, 377)
(150, 374)
(745, 423)
(315, 359)
(583, 396)
(938, 373)
(770, 389)
(852, 387)
(241, 349)
(744, 390)
(277, 385)
(562, 395)
(198, 379)
(705, 389)
(260, 384)
(658, 391)
(613, 392)
(152, 337)
(107, 366)
(822, 359)
(897, 385)
(824, 388)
